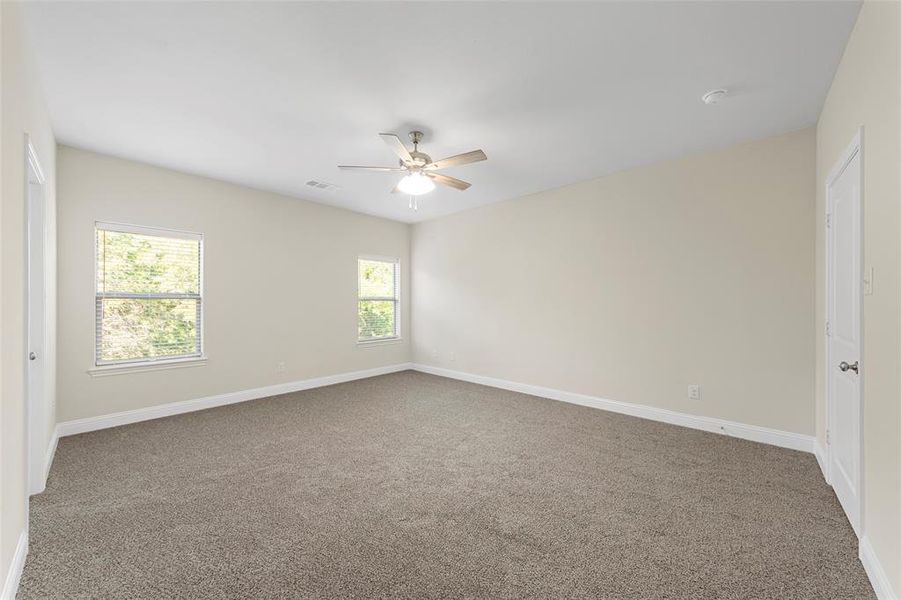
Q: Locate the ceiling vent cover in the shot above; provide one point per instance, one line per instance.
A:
(322, 185)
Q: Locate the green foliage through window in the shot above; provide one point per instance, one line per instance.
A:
(378, 297)
(148, 301)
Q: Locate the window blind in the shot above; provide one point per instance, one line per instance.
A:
(379, 293)
(149, 303)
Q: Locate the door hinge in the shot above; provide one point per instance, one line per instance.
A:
(828, 329)
(828, 219)
(828, 441)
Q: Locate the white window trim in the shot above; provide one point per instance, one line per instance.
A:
(388, 339)
(158, 363)
(382, 341)
(147, 365)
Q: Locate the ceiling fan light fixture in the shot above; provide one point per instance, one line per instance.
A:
(420, 169)
(416, 184)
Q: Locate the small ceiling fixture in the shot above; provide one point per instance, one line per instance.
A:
(713, 96)
(420, 169)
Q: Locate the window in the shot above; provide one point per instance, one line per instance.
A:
(149, 297)
(378, 285)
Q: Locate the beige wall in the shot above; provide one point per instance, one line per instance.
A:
(279, 282)
(22, 111)
(865, 93)
(633, 286)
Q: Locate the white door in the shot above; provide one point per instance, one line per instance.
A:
(36, 335)
(844, 291)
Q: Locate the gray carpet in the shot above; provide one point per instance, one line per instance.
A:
(415, 486)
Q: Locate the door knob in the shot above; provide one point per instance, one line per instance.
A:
(32, 356)
(846, 367)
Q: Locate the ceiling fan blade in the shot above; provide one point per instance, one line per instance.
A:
(397, 146)
(383, 169)
(396, 189)
(459, 159)
(449, 181)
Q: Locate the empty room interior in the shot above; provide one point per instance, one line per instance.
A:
(450, 300)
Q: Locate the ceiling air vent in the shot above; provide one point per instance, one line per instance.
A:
(321, 185)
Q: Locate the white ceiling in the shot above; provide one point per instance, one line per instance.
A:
(272, 95)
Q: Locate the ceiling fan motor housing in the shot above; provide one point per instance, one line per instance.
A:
(420, 159)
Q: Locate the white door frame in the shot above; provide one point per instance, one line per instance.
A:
(35, 408)
(855, 148)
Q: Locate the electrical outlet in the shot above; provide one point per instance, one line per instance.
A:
(280, 367)
(694, 392)
(453, 356)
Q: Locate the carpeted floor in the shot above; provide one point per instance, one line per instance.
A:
(415, 486)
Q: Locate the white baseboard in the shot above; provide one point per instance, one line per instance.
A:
(785, 439)
(765, 435)
(820, 452)
(11, 582)
(175, 408)
(51, 452)
(878, 578)
(48, 462)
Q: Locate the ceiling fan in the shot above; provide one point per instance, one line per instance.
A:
(420, 169)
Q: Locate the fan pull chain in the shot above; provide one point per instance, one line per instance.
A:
(414, 202)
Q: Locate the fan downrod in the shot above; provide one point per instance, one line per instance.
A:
(420, 159)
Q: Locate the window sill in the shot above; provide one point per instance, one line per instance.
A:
(379, 342)
(125, 368)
